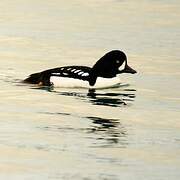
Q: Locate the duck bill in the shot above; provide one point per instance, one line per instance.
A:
(128, 69)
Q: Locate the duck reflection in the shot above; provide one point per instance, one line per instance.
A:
(110, 99)
(113, 99)
(106, 132)
(109, 131)
(123, 96)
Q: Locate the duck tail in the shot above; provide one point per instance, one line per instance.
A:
(40, 78)
(35, 78)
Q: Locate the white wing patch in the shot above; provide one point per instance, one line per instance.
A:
(64, 73)
(80, 73)
(56, 74)
(73, 70)
(77, 71)
(85, 74)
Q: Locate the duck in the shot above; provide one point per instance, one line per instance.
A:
(102, 74)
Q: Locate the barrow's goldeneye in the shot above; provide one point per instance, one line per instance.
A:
(102, 74)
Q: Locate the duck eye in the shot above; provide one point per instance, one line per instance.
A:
(122, 67)
(117, 61)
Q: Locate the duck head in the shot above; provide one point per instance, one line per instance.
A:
(108, 66)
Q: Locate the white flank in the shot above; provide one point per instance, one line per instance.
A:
(64, 82)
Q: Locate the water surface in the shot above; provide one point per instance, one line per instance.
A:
(128, 132)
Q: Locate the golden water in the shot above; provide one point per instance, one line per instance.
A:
(130, 132)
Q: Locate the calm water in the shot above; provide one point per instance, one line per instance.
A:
(128, 133)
